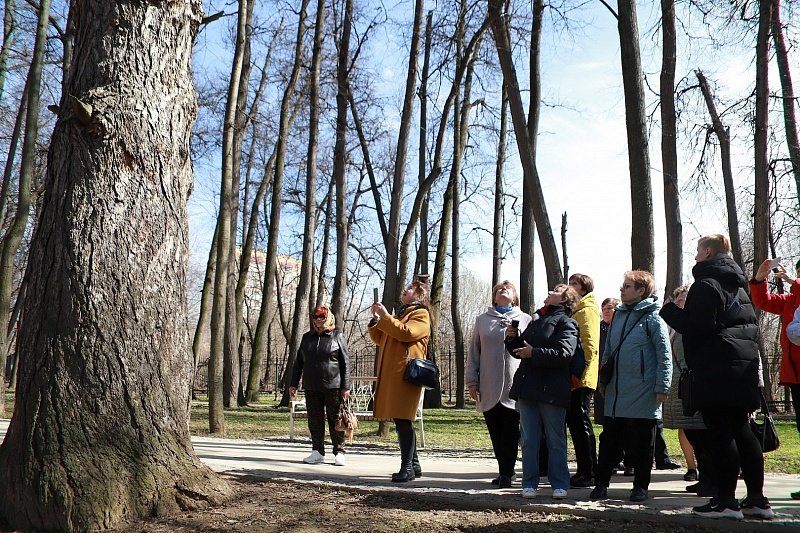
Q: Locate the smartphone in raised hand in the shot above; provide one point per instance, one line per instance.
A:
(774, 264)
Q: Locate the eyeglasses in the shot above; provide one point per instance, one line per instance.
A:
(317, 317)
(628, 286)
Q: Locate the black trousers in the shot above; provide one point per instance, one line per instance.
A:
(503, 426)
(733, 445)
(795, 391)
(582, 432)
(660, 450)
(700, 441)
(322, 406)
(636, 437)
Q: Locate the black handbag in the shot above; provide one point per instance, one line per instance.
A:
(765, 431)
(686, 392)
(422, 373)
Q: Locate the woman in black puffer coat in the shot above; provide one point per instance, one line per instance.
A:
(720, 341)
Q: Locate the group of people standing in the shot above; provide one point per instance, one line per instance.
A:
(520, 372)
(634, 356)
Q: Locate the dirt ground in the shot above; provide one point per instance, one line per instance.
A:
(272, 506)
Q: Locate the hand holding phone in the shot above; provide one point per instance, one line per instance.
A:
(774, 264)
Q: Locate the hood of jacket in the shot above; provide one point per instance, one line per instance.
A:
(515, 312)
(648, 304)
(587, 301)
(722, 268)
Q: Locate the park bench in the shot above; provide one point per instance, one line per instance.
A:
(362, 394)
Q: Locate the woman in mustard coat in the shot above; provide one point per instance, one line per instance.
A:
(399, 338)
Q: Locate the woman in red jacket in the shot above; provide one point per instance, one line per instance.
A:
(783, 305)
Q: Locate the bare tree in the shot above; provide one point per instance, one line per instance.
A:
(103, 337)
(642, 246)
(11, 240)
(669, 149)
(499, 196)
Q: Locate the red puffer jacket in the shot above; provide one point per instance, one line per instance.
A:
(783, 305)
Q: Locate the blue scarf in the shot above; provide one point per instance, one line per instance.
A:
(503, 310)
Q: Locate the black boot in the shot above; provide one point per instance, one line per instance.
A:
(408, 446)
(415, 463)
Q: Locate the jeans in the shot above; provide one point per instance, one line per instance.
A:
(582, 432)
(636, 436)
(322, 405)
(537, 418)
(733, 445)
(503, 426)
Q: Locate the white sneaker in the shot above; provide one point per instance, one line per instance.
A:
(339, 459)
(529, 492)
(315, 458)
(559, 494)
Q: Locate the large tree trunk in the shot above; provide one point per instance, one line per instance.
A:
(100, 430)
(9, 26)
(423, 254)
(723, 134)
(531, 176)
(669, 150)
(339, 166)
(642, 246)
(13, 237)
(789, 115)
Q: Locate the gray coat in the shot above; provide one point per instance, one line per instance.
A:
(673, 407)
(489, 366)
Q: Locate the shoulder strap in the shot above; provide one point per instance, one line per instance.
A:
(625, 336)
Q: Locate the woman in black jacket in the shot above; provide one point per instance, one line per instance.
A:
(720, 342)
(323, 362)
(542, 388)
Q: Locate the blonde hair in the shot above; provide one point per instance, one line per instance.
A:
(642, 279)
(505, 283)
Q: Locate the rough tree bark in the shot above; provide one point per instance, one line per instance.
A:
(423, 253)
(669, 150)
(9, 25)
(642, 245)
(100, 430)
(723, 134)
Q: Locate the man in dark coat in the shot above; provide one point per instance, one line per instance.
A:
(720, 340)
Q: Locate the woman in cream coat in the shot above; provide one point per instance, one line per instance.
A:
(399, 338)
(489, 374)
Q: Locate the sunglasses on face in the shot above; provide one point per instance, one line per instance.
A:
(318, 317)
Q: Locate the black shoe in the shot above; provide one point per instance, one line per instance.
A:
(505, 482)
(581, 481)
(756, 508)
(669, 464)
(628, 472)
(620, 467)
(638, 494)
(715, 509)
(690, 475)
(599, 493)
(795, 495)
(404, 475)
(694, 487)
(415, 464)
(496, 481)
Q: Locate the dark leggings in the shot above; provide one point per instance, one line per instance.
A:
(503, 426)
(402, 424)
(795, 390)
(733, 445)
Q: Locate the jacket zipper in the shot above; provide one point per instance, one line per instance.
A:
(616, 369)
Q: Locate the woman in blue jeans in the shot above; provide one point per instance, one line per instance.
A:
(542, 388)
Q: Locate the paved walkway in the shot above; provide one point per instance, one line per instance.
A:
(464, 481)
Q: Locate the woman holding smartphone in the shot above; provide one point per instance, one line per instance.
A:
(489, 373)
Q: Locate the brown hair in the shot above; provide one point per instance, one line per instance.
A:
(642, 279)
(718, 243)
(613, 301)
(422, 291)
(505, 283)
(569, 297)
(586, 283)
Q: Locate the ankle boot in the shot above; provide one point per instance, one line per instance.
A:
(407, 440)
(415, 464)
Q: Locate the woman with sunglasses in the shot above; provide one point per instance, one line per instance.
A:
(323, 362)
